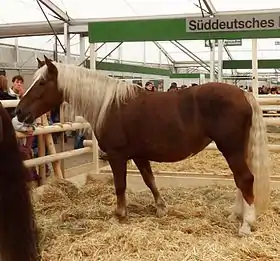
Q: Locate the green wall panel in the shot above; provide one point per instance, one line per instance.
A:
(188, 75)
(162, 30)
(121, 67)
(247, 64)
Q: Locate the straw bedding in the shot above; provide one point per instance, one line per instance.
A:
(78, 224)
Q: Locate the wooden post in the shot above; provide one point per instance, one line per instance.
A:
(62, 147)
(51, 149)
(41, 153)
(95, 156)
(255, 76)
(94, 141)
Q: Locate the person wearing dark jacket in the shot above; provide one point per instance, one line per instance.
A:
(4, 94)
(173, 87)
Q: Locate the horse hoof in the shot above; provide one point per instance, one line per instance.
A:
(121, 213)
(122, 220)
(245, 231)
(161, 212)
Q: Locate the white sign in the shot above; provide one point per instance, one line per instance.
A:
(225, 23)
(227, 42)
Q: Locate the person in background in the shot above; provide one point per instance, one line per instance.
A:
(173, 87)
(5, 94)
(17, 89)
(149, 86)
(25, 144)
(273, 90)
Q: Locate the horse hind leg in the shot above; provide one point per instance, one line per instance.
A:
(119, 169)
(237, 209)
(244, 180)
(145, 169)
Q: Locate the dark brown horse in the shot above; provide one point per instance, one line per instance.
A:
(18, 237)
(130, 123)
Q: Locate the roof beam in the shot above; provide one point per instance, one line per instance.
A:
(167, 55)
(56, 10)
(212, 10)
(228, 52)
(194, 57)
(209, 6)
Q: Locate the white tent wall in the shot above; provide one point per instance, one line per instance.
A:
(188, 81)
(24, 62)
(140, 76)
(134, 52)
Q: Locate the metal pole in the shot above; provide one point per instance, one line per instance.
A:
(67, 52)
(67, 43)
(255, 67)
(220, 60)
(82, 50)
(202, 78)
(120, 53)
(92, 56)
(144, 54)
(16, 52)
(55, 53)
(95, 150)
(212, 61)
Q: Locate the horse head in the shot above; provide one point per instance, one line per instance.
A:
(42, 95)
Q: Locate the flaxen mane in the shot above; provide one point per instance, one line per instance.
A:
(84, 88)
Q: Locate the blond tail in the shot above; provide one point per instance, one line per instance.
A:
(258, 158)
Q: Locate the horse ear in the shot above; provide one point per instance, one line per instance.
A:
(40, 63)
(46, 59)
(51, 67)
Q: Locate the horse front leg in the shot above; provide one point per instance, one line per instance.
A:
(145, 169)
(118, 166)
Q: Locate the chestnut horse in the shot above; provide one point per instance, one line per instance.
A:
(130, 123)
(18, 237)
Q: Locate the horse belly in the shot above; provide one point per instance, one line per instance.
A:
(170, 155)
(166, 150)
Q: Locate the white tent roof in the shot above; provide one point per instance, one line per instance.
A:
(28, 10)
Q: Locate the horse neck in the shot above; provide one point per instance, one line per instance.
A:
(91, 93)
(80, 102)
